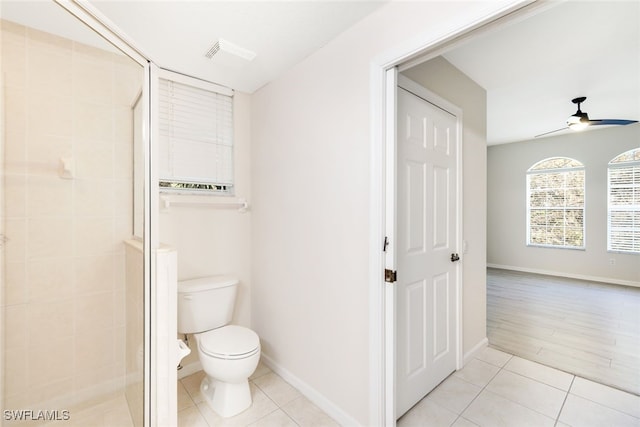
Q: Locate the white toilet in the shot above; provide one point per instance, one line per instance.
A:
(229, 354)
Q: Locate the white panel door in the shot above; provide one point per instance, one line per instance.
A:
(426, 328)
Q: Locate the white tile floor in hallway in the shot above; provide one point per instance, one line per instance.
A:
(497, 389)
(275, 404)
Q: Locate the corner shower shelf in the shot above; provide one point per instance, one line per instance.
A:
(167, 201)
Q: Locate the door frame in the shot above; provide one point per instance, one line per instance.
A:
(383, 81)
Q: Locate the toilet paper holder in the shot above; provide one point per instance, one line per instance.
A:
(183, 351)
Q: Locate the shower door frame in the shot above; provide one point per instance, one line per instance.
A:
(153, 397)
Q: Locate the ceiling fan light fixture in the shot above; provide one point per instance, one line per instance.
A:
(578, 121)
(578, 126)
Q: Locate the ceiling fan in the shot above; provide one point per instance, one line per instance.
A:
(580, 120)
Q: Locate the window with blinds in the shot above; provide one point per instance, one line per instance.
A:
(623, 216)
(196, 137)
(555, 203)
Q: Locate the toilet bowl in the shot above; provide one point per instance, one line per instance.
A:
(229, 354)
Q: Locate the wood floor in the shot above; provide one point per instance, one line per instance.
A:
(585, 328)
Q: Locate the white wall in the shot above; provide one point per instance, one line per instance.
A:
(507, 205)
(442, 78)
(212, 241)
(311, 152)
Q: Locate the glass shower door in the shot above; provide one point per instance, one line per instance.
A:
(72, 345)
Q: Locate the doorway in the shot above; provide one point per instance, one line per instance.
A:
(427, 220)
(472, 245)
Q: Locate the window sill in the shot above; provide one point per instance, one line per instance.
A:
(573, 248)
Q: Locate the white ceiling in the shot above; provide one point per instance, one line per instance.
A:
(531, 69)
(177, 34)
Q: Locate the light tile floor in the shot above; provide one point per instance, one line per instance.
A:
(494, 389)
(275, 403)
(497, 389)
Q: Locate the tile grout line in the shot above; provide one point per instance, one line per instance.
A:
(268, 397)
(600, 403)
(523, 376)
(482, 389)
(567, 392)
(195, 404)
(201, 414)
(278, 407)
(289, 415)
(251, 381)
(564, 401)
(542, 382)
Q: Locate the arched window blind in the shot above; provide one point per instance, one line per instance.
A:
(196, 136)
(623, 219)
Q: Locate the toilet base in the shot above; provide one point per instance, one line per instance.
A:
(226, 399)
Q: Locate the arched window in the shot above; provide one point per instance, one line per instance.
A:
(555, 203)
(623, 218)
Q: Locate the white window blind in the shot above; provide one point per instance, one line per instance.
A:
(555, 203)
(196, 138)
(624, 203)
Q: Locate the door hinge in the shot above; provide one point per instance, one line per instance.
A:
(390, 276)
(385, 244)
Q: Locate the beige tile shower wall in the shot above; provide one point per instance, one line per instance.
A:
(64, 275)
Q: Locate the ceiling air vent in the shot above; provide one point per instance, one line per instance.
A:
(224, 52)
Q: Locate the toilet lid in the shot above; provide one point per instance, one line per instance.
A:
(229, 341)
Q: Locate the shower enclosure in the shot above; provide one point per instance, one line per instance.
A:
(73, 264)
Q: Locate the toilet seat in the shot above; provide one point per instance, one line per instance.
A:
(229, 342)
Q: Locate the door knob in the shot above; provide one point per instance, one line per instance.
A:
(455, 257)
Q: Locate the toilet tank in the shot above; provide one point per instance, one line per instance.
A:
(205, 303)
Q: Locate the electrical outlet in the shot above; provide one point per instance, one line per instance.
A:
(612, 261)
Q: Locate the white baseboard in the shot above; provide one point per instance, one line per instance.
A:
(318, 399)
(475, 350)
(569, 275)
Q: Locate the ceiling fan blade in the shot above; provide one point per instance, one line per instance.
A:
(580, 120)
(611, 122)
(553, 131)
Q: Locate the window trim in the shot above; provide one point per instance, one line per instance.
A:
(619, 165)
(531, 171)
